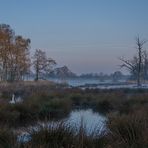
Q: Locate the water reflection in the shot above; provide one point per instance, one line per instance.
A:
(90, 120)
(92, 123)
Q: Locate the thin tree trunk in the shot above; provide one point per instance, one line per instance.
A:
(139, 68)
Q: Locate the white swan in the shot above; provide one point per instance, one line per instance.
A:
(13, 101)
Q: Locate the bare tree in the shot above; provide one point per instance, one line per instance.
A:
(140, 44)
(135, 65)
(41, 63)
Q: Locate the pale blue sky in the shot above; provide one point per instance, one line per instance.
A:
(86, 35)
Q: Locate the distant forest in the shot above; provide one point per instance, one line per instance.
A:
(16, 62)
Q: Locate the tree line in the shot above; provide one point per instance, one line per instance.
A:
(16, 62)
(15, 59)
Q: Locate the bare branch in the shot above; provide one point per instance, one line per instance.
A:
(126, 63)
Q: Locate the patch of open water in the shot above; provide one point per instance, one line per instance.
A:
(92, 122)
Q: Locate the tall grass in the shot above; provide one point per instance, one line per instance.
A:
(50, 101)
(127, 111)
(65, 136)
(129, 131)
(7, 138)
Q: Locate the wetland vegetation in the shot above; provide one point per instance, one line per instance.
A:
(125, 110)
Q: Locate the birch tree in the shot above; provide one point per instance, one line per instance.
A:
(14, 54)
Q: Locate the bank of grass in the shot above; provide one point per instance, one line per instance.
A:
(46, 100)
(7, 138)
(61, 136)
(130, 130)
(127, 111)
(125, 131)
(65, 136)
(38, 103)
(32, 110)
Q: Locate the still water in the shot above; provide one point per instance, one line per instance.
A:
(80, 82)
(92, 123)
(90, 120)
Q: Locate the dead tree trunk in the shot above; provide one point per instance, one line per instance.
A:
(136, 65)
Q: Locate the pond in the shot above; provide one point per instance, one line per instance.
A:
(91, 121)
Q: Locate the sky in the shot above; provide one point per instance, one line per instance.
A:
(86, 35)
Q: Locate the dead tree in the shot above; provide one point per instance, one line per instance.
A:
(135, 65)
